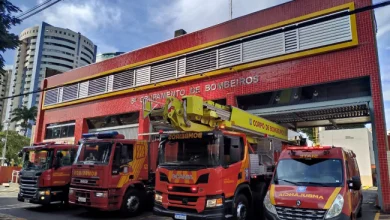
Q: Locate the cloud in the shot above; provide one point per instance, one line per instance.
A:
(84, 16)
(382, 17)
(198, 14)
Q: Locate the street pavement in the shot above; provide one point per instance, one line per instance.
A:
(11, 209)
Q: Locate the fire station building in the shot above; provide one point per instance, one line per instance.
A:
(277, 63)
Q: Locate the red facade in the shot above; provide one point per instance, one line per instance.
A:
(349, 63)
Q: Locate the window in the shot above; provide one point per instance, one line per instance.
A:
(113, 120)
(67, 157)
(231, 149)
(60, 130)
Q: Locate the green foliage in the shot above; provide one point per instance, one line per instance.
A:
(309, 132)
(15, 142)
(7, 40)
(24, 115)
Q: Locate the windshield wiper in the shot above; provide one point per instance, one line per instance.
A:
(288, 181)
(313, 183)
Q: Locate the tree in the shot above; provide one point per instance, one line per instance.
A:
(7, 40)
(15, 142)
(308, 131)
(24, 115)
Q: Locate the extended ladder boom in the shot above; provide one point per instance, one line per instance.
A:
(192, 113)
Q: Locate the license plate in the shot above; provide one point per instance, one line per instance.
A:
(82, 199)
(26, 200)
(180, 216)
(83, 181)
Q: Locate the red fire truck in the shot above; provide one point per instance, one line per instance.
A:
(112, 173)
(45, 176)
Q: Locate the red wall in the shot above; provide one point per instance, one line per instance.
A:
(345, 64)
(6, 174)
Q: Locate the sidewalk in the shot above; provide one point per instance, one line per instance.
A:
(11, 191)
(9, 217)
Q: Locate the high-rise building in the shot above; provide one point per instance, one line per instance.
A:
(105, 56)
(44, 47)
(4, 88)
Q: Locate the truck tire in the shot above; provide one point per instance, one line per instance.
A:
(132, 203)
(241, 208)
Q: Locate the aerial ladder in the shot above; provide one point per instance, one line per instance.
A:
(192, 115)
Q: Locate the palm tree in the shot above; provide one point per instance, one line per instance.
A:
(24, 115)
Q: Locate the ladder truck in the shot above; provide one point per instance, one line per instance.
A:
(216, 161)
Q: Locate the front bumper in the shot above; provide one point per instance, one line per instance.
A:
(218, 213)
(87, 198)
(41, 199)
(270, 216)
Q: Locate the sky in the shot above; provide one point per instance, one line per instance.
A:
(123, 25)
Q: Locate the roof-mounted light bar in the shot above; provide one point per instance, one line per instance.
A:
(103, 135)
(309, 148)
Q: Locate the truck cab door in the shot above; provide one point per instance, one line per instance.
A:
(121, 169)
(62, 167)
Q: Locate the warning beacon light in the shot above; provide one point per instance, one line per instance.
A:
(102, 135)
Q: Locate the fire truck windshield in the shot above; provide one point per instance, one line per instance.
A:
(202, 152)
(309, 172)
(38, 160)
(95, 153)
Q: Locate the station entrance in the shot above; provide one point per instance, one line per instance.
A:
(331, 106)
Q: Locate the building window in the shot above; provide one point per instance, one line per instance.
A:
(60, 130)
(113, 120)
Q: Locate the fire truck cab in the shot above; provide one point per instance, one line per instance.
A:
(45, 176)
(315, 183)
(112, 173)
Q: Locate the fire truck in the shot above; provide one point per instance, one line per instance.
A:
(45, 176)
(113, 173)
(215, 162)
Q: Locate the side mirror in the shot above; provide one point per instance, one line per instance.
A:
(355, 183)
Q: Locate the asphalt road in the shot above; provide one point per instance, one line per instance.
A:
(10, 206)
(20, 211)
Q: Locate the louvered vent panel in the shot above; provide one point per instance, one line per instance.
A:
(110, 83)
(263, 47)
(291, 41)
(60, 94)
(83, 89)
(163, 71)
(123, 80)
(51, 96)
(229, 55)
(181, 69)
(325, 33)
(97, 86)
(142, 76)
(70, 92)
(200, 62)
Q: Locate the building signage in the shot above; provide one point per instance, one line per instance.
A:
(199, 89)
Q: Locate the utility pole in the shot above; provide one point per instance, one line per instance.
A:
(6, 122)
(231, 9)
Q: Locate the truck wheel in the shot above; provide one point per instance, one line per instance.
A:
(241, 208)
(132, 203)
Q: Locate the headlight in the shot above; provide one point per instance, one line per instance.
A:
(158, 198)
(46, 192)
(268, 205)
(212, 203)
(101, 194)
(336, 207)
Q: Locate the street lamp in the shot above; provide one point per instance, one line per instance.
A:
(6, 123)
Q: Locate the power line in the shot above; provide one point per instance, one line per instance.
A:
(32, 9)
(280, 30)
(39, 10)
